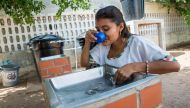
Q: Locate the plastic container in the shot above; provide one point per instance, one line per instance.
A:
(9, 73)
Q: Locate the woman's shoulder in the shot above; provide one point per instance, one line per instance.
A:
(144, 43)
(138, 39)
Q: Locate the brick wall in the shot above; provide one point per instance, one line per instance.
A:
(54, 67)
(127, 102)
(151, 96)
(145, 95)
(148, 97)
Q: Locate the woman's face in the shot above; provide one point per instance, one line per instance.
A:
(111, 30)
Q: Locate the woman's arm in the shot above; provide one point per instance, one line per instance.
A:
(85, 55)
(158, 67)
(155, 67)
(85, 52)
(161, 61)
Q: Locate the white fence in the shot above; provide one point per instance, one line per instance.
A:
(14, 37)
(172, 22)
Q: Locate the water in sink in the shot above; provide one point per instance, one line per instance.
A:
(85, 89)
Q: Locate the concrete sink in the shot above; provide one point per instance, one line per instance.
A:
(86, 87)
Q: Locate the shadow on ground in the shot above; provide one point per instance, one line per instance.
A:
(23, 95)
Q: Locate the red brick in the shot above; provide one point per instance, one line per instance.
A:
(54, 70)
(62, 61)
(44, 77)
(67, 69)
(151, 96)
(127, 102)
(45, 64)
(43, 72)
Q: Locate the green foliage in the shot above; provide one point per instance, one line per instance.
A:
(182, 7)
(22, 11)
(73, 4)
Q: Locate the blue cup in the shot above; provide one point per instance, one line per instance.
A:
(101, 37)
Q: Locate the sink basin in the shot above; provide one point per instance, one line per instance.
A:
(81, 88)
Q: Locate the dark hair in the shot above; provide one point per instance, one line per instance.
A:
(113, 13)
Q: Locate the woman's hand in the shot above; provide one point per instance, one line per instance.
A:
(126, 71)
(155, 67)
(90, 37)
(86, 48)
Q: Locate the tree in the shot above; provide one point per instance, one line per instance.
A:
(74, 4)
(181, 6)
(22, 11)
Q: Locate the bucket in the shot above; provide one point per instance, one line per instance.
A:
(9, 73)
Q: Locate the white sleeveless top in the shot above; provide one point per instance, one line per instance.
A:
(139, 49)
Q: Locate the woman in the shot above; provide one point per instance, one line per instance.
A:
(130, 53)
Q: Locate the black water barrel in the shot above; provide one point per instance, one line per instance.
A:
(47, 45)
(133, 9)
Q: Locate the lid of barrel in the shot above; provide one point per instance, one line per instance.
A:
(9, 66)
(47, 37)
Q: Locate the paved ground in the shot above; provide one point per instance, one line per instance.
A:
(176, 88)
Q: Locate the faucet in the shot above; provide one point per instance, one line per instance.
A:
(110, 73)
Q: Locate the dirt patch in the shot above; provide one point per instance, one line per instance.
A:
(176, 89)
(176, 86)
(19, 97)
